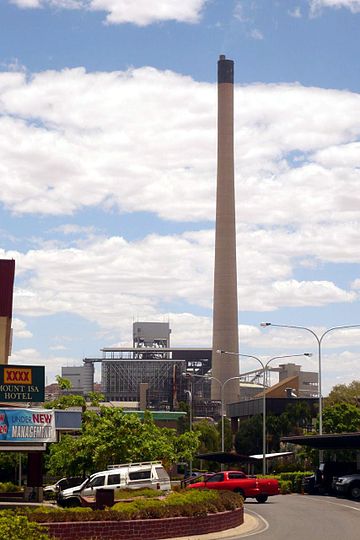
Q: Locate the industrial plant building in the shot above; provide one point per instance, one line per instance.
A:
(153, 375)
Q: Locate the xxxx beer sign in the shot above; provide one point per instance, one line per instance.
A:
(22, 383)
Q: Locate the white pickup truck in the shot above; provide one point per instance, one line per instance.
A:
(147, 474)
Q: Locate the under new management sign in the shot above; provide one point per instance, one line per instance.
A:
(22, 384)
(27, 425)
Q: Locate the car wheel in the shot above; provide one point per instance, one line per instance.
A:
(355, 491)
(261, 498)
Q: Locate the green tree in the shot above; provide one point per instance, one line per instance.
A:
(209, 437)
(248, 439)
(348, 393)
(112, 436)
(95, 398)
(341, 418)
(64, 384)
(65, 402)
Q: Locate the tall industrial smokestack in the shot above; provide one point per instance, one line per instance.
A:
(225, 308)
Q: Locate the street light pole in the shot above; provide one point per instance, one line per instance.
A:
(319, 339)
(222, 387)
(210, 378)
(264, 366)
(190, 420)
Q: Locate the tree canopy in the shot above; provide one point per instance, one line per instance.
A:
(341, 418)
(111, 436)
(349, 393)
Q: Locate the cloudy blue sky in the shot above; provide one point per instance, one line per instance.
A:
(107, 167)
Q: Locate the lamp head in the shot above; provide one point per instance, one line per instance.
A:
(219, 351)
(265, 324)
(308, 353)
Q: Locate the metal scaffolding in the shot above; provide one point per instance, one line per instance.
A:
(121, 380)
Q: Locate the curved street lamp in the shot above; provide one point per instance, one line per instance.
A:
(319, 339)
(264, 366)
(189, 393)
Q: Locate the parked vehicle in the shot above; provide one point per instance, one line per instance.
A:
(237, 481)
(324, 479)
(60, 485)
(148, 474)
(348, 486)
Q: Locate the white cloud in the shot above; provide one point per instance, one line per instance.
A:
(32, 357)
(146, 139)
(256, 34)
(20, 330)
(317, 5)
(240, 13)
(296, 12)
(72, 139)
(139, 12)
(80, 280)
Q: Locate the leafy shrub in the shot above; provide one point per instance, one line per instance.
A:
(17, 527)
(9, 487)
(132, 493)
(79, 509)
(184, 503)
(47, 509)
(295, 478)
(285, 487)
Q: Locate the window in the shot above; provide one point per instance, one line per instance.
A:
(216, 478)
(113, 479)
(162, 474)
(236, 476)
(97, 481)
(140, 475)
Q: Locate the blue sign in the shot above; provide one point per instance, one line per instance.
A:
(27, 425)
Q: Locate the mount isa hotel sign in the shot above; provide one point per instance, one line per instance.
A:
(21, 384)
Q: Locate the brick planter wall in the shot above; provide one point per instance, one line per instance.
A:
(146, 529)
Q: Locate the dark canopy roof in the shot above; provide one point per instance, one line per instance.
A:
(333, 441)
(227, 457)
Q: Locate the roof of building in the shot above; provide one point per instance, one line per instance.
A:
(331, 441)
(281, 384)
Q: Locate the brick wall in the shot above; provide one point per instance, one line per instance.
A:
(146, 529)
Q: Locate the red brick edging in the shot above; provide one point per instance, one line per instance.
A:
(146, 529)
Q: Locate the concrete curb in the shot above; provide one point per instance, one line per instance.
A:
(250, 524)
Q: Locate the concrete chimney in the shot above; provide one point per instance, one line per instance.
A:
(225, 307)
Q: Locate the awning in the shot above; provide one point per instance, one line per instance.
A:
(227, 457)
(331, 441)
(272, 455)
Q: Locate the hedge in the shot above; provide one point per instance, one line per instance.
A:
(295, 479)
(9, 487)
(14, 526)
(289, 482)
(189, 503)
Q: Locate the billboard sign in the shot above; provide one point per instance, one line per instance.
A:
(22, 383)
(27, 425)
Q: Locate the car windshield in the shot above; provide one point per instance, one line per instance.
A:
(85, 482)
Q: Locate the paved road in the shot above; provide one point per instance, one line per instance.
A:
(305, 517)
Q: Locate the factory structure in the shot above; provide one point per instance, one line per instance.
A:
(151, 374)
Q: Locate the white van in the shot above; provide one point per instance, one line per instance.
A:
(146, 474)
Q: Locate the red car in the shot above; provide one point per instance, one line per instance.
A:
(237, 481)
